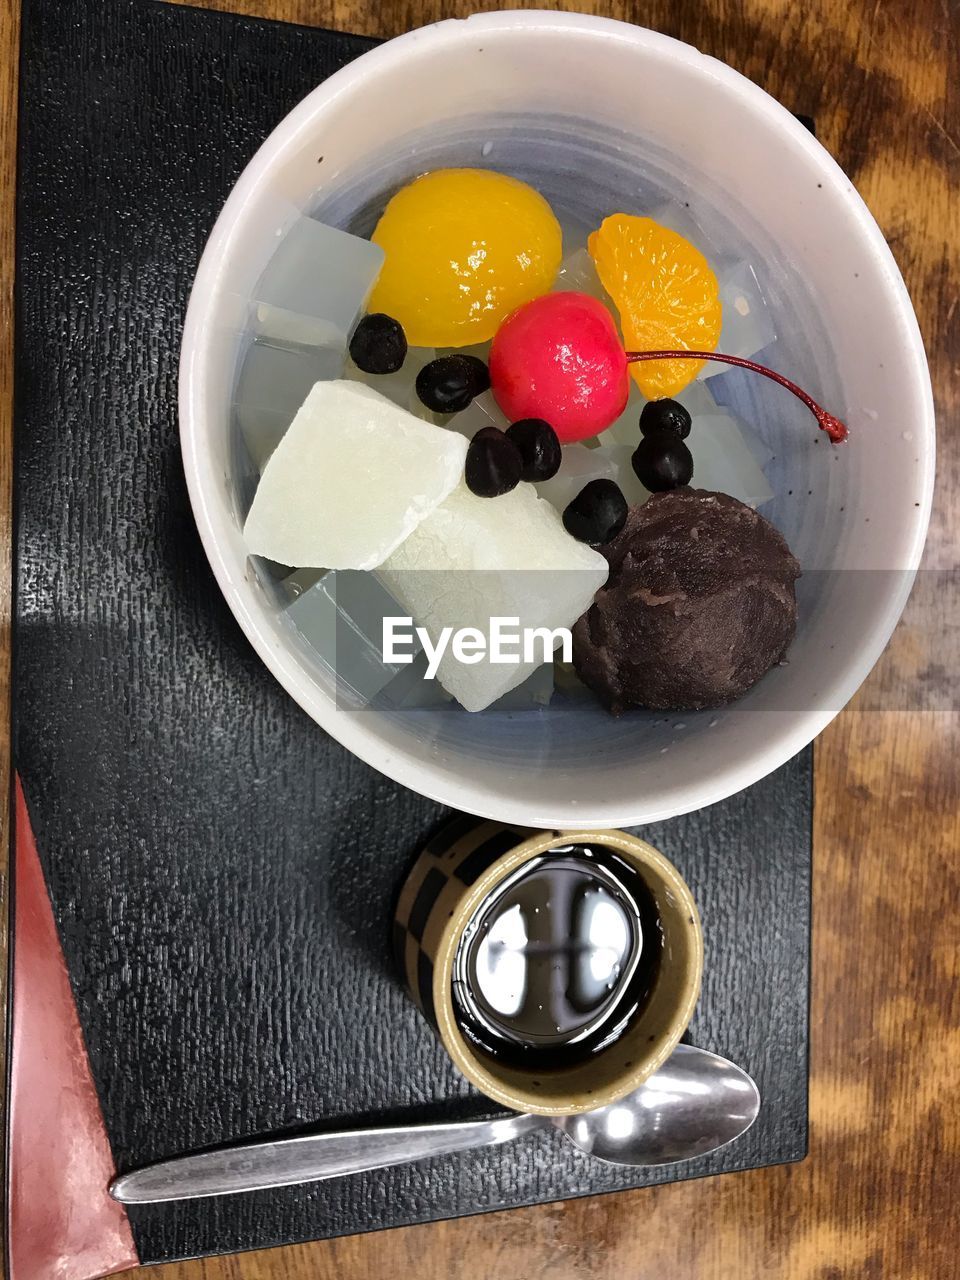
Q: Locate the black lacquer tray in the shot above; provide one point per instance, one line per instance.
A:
(222, 872)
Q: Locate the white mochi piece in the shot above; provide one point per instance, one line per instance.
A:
(352, 477)
(475, 559)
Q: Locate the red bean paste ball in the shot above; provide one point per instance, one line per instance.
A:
(699, 605)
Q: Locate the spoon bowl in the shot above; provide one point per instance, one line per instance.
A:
(696, 1103)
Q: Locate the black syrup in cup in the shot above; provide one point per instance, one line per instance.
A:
(559, 960)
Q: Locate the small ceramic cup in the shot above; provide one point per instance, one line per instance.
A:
(453, 877)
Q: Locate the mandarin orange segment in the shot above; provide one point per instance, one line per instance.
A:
(666, 294)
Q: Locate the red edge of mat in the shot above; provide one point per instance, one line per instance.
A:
(62, 1224)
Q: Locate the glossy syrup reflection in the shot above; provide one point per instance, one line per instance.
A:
(558, 960)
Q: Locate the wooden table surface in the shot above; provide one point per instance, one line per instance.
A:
(878, 1196)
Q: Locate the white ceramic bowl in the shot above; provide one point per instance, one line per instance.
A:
(599, 114)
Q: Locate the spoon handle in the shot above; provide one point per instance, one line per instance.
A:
(258, 1165)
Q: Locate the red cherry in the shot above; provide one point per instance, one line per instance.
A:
(560, 358)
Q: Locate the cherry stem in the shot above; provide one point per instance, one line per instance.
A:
(834, 428)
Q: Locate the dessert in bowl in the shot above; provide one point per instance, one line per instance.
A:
(600, 120)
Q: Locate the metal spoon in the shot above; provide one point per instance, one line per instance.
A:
(696, 1103)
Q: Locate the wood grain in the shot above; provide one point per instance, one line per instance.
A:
(877, 1196)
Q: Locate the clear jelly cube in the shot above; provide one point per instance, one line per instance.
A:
(679, 217)
(341, 618)
(575, 234)
(535, 692)
(578, 274)
(724, 461)
(322, 273)
(410, 689)
(626, 428)
(486, 404)
(282, 328)
(747, 321)
(301, 580)
(579, 465)
(274, 381)
(696, 399)
(482, 411)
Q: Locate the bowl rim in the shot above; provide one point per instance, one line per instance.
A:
(431, 778)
